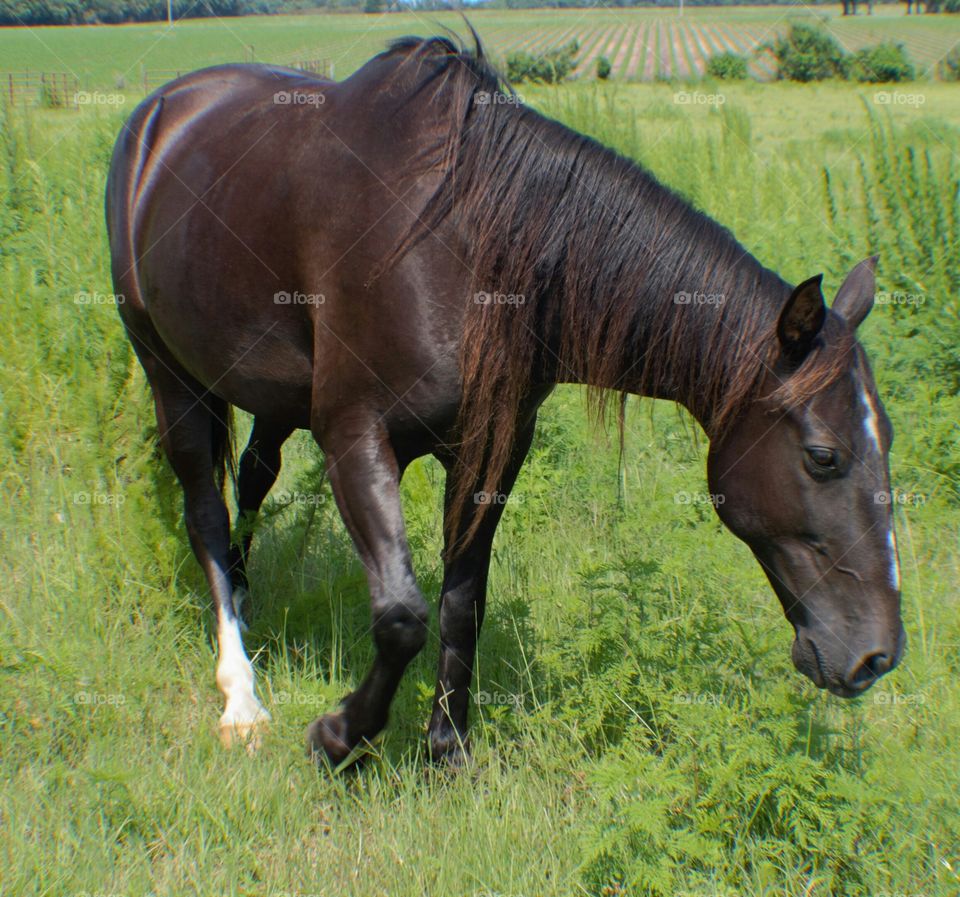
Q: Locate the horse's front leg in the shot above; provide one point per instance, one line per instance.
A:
(364, 476)
(462, 604)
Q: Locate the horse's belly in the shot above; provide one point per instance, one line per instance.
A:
(260, 361)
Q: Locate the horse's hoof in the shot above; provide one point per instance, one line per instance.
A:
(327, 737)
(248, 732)
(448, 752)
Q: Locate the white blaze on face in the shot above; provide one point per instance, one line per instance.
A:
(894, 560)
(873, 436)
(243, 712)
(870, 419)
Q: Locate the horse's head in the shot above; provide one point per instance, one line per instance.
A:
(805, 483)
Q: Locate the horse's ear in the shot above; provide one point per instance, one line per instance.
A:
(801, 319)
(855, 298)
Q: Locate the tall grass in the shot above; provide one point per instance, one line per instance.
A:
(639, 728)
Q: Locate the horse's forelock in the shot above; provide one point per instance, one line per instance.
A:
(835, 352)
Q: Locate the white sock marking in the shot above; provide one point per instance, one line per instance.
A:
(235, 680)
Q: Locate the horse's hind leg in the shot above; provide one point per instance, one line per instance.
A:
(189, 419)
(259, 468)
(364, 476)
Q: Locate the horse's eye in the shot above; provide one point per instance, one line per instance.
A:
(822, 457)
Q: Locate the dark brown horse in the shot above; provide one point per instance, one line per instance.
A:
(406, 263)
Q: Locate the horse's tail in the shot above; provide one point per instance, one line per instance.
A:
(222, 442)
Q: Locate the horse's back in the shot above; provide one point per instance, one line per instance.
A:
(221, 104)
(248, 208)
(172, 117)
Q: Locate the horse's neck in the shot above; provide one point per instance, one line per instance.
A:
(677, 338)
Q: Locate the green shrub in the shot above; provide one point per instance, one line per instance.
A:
(808, 53)
(882, 64)
(950, 66)
(523, 66)
(727, 67)
(551, 67)
(603, 68)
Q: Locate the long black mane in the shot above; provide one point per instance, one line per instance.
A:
(587, 269)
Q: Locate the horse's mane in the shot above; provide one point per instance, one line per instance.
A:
(599, 251)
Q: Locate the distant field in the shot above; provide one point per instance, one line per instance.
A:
(642, 44)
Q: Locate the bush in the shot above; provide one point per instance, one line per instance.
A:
(727, 67)
(882, 64)
(808, 53)
(551, 67)
(950, 66)
(522, 66)
(603, 68)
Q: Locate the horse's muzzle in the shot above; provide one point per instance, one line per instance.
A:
(854, 673)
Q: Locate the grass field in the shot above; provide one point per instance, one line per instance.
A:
(642, 44)
(639, 728)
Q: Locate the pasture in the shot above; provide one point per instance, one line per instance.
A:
(641, 44)
(638, 727)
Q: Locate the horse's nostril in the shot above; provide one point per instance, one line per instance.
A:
(879, 663)
(870, 668)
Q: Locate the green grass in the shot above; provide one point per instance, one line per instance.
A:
(647, 735)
